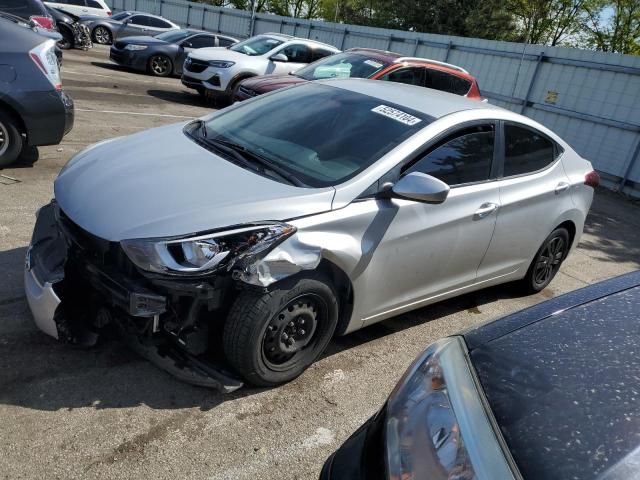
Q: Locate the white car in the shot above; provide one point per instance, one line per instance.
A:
(82, 7)
(217, 72)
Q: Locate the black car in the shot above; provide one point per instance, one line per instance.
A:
(550, 392)
(164, 54)
(74, 34)
(34, 110)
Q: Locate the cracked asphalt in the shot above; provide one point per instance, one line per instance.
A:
(106, 413)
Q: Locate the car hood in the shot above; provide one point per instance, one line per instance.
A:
(160, 183)
(267, 83)
(142, 39)
(217, 53)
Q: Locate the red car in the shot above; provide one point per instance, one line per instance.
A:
(372, 64)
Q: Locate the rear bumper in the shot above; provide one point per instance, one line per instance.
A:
(43, 302)
(48, 116)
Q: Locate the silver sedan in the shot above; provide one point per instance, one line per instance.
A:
(231, 249)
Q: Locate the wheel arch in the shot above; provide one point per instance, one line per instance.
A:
(344, 290)
(238, 78)
(11, 110)
(570, 226)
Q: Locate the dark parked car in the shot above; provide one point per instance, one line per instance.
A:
(126, 24)
(550, 392)
(164, 54)
(74, 34)
(374, 65)
(34, 110)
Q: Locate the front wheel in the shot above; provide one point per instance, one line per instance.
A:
(547, 261)
(102, 35)
(271, 338)
(67, 41)
(160, 66)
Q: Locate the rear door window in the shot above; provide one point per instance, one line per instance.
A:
(157, 23)
(526, 150)
(297, 53)
(225, 42)
(446, 82)
(203, 41)
(463, 157)
(139, 20)
(94, 4)
(318, 53)
(409, 75)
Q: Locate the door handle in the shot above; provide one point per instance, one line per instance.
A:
(485, 209)
(562, 186)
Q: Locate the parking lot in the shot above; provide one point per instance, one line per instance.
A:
(106, 413)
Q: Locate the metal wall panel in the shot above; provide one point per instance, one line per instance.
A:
(591, 99)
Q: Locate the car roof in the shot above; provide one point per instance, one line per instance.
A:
(564, 388)
(289, 38)
(433, 103)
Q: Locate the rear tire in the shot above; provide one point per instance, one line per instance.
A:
(271, 338)
(102, 36)
(547, 262)
(11, 141)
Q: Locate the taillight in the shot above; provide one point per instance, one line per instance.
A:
(44, 56)
(43, 22)
(109, 13)
(592, 179)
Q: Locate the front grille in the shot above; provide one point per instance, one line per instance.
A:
(247, 91)
(196, 66)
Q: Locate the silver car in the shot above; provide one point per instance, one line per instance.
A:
(105, 30)
(232, 248)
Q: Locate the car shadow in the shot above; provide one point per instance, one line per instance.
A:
(27, 158)
(182, 97)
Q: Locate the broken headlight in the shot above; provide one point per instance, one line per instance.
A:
(423, 437)
(205, 253)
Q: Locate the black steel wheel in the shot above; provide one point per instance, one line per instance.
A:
(547, 261)
(160, 65)
(102, 35)
(272, 337)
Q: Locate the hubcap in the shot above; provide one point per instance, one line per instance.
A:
(549, 260)
(4, 139)
(290, 331)
(159, 65)
(102, 36)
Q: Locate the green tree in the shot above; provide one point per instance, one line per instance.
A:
(613, 26)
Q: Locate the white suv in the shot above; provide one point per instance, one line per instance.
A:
(215, 72)
(82, 7)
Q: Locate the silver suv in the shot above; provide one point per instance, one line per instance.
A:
(215, 72)
(250, 237)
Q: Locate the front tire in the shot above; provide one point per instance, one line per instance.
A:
(547, 261)
(11, 141)
(160, 66)
(102, 35)
(67, 41)
(271, 338)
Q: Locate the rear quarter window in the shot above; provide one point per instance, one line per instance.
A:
(446, 82)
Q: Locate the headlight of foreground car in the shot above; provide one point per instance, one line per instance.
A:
(205, 253)
(423, 438)
(221, 64)
(135, 47)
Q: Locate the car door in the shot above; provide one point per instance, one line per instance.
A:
(430, 250)
(298, 55)
(133, 26)
(534, 193)
(191, 44)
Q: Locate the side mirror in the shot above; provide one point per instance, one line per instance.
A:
(421, 188)
(279, 57)
(187, 45)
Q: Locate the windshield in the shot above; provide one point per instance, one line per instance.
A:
(256, 45)
(319, 134)
(121, 15)
(342, 65)
(174, 35)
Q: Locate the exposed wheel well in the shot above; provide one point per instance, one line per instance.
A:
(342, 285)
(571, 228)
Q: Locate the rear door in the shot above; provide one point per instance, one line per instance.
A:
(534, 193)
(157, 25)
(132, 26)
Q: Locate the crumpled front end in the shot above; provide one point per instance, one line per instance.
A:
(78, 284)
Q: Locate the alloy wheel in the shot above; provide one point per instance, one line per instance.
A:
(160, 65)
(549, 260)
(292, 332)
(102, 35)
(4, 139)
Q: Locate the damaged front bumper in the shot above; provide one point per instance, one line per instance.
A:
(75, 286)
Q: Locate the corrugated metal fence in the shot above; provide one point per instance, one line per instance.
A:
(591, 99)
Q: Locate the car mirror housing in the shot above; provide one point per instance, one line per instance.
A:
(279, 57)
(421, 187)
(186, 45)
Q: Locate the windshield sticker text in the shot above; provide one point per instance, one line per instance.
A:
(396, 114)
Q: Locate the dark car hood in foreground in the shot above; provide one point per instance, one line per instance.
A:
(161, 183)
(267, 83)
(565, 389)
